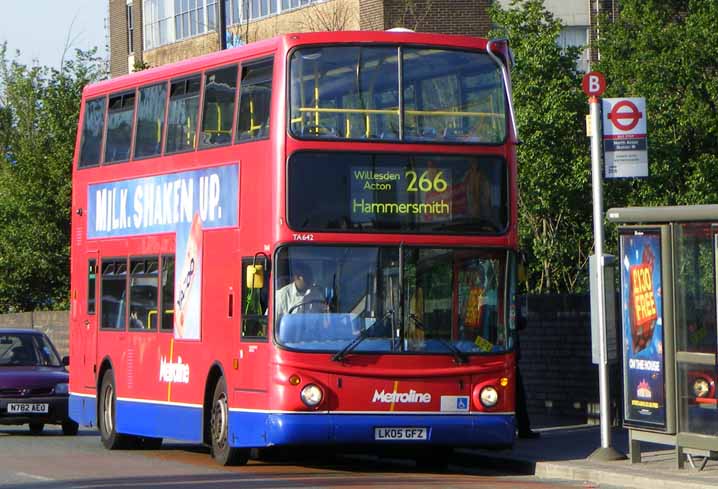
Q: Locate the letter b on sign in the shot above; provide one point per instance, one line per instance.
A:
(594, 84)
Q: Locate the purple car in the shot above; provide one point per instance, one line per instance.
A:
(33, 382)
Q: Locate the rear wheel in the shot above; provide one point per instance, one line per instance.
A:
(106, 418)
(69, 428)
(36, 428)
(222, 452)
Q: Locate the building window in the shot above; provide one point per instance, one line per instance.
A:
(130, 28)
(167, 21)
(194, 17)
(576, 36)
(292, 4)
(158, 23)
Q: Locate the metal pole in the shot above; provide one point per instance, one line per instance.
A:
(605, 452)
(222, 25)
(597, 184)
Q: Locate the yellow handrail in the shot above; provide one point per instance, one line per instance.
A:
(442, 113)
(348, 111)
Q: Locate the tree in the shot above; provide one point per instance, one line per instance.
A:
(337, 15)
(667, 52)
(415, 14)
(553, 159)
(39, 109)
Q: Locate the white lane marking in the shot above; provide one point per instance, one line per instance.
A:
(32, 476)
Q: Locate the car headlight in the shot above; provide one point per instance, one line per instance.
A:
(62, 388)
(489, 397)
(311, 395)
(701, 387)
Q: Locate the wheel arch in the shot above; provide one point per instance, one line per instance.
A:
(216, 372)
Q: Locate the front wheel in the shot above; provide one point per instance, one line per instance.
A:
(36, 428)
(222, 452)
(433, 460)
(70, 428)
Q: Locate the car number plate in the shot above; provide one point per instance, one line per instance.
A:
(27, 407)
(400, 433)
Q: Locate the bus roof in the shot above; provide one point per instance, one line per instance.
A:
(268, 46)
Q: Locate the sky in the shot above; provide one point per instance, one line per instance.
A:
(40, 29)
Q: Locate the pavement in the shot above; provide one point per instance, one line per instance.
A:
(562, 453)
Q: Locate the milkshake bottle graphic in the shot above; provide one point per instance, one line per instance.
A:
(184, 306)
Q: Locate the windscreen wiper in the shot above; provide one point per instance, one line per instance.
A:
(363, 334)
(460, 357)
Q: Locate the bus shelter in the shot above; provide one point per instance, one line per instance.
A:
(668, 258)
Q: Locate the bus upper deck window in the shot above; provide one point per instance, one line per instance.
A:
(92, 130)
(220, 88)
(183, 113)
(254, 101)
(120, 114)
(348, 92)
(150, 120)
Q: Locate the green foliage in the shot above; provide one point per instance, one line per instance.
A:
(39, 110)
(554, 159)
(140, 65)
(667, 52)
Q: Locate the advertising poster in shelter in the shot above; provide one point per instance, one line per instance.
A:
(642, 320)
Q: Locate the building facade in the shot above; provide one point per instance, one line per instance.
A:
(156, 32)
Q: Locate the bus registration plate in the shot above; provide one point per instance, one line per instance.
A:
(26, 407)
(400, 433)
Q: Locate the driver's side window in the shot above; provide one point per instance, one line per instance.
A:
(254, 300)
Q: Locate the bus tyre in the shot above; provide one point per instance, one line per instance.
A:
(222, 452)
(111, 439)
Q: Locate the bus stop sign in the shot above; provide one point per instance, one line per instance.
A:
(594, 84)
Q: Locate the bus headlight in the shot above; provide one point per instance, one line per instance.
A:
(701, 387)
(489, 397)
(311, 395)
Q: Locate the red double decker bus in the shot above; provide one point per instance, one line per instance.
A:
(309, 240)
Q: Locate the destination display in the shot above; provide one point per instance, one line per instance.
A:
(431, 194)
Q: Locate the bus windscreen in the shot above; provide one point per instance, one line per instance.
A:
(397, 193)
(390, 93)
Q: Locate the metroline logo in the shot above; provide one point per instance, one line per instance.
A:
(174, 372)
(401, 397)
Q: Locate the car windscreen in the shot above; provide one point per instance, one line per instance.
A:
(27, 350)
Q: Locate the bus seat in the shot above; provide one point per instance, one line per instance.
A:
(21, 354)
(454, 133)
(487, 321)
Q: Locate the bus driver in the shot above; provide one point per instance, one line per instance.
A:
(298, 295)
